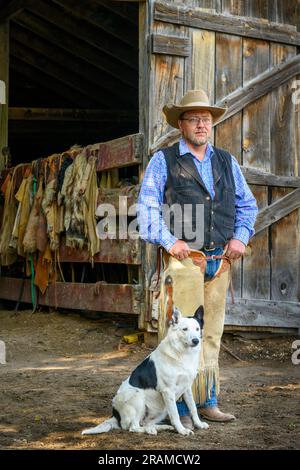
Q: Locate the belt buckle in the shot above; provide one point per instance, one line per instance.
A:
(209, 249)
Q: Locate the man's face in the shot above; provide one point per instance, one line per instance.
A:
(196, 131)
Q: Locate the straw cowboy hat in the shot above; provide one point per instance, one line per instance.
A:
(192, 100)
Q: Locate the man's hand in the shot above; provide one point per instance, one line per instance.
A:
(180, 250)
(235, 249)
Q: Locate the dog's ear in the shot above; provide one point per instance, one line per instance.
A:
(176, 315)
(199, 316)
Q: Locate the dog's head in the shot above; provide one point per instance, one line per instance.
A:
(188, 330)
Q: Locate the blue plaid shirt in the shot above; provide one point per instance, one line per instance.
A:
(152, 226)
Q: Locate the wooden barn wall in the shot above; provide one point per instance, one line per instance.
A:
(264, 135)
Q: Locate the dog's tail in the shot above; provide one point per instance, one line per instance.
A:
(106, 426)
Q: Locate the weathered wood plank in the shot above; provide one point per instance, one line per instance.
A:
(284, 12)
(263, 313)
(241, 26)
(117, 153)
(200, 66)
(228, 134)
(253, 8)
(146, 93)
(171, 45)
(256, 152)
(167, 81)
(225, 131)
(228, 79)
(101, 297)
(203, 62)
(111, 251)
(256, 126)
(285, 275)
(4, 74)
(233, 7)
(258, 9)
(262, 178)
(276, 211)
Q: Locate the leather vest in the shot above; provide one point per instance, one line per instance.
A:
(184, 186)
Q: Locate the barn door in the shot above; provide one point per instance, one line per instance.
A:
(249, 65)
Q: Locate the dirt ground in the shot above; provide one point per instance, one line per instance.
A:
(63, 369)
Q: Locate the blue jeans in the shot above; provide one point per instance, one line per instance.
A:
(211, 268)
(184, 411)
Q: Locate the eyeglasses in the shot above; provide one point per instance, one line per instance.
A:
(195, 121)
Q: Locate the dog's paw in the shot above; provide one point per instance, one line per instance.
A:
(201, 425)
(186, 432)
(151, 430)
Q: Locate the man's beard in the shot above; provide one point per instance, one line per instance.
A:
(193, 139)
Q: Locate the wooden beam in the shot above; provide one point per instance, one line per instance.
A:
(111, 251)
(124, 10)
(14, 7)
(171, 45)
(99, 17)
(88, 33)
(260, 86)
(4, 76)
(77, 48)
(55, 71)
(262, 178)
(38, 76)
(118, 153)
(66, 60)
(100, 297)
(235, 25)
(86, 115)
(240, 98)
(274, 212)
(266, 313)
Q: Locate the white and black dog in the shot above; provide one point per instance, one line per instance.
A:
(151, 391)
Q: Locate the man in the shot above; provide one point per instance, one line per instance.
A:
(195, 172)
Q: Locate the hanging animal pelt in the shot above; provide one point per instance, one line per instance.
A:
(8, 254)
(79, 196)
(30, 237)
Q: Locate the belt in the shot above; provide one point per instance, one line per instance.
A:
(212, 249)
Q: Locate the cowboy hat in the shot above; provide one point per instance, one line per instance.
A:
(192, 100)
